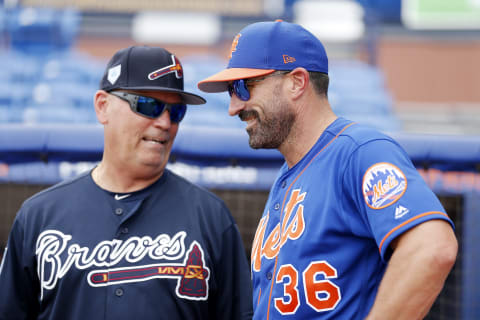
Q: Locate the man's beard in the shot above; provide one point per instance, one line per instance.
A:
(270, 132)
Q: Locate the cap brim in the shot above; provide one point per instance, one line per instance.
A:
(219, 81)
(187, 97)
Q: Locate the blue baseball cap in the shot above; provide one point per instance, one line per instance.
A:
(264, 47)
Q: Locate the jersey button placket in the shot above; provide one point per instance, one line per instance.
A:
(277, 205)
(118, 211)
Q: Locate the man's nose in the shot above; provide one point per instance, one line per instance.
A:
(163, 121)
(236, 105)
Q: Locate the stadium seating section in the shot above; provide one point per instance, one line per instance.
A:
(45, 80)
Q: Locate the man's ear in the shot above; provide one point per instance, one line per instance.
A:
(100, 101)
(300, 80)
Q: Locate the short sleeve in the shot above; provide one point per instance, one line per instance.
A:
(387, 192)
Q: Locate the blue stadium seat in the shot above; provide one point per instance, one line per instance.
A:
(4, 114)
(383, 11)
(13, 95)
(5, 94)
(23, 68)
(2, 22)
(59, 86)
(55, 114)
(42, 30)
(71, 66)
(30, 83)
(355, 75)
(379, 102)
(77, 94)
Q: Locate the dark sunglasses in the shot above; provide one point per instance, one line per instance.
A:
(152, 108)
(240, 87)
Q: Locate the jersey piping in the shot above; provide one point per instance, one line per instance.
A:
(283, 207)
(406, 223)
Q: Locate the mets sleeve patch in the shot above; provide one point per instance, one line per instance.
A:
(383, 184)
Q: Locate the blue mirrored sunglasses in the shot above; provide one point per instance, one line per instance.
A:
(152, 108)
(240, 87)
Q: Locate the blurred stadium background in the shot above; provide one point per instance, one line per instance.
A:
(410, 68)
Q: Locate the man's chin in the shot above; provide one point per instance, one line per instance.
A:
(261, 144)
(259, 140)
(153, 163)
(254, 146)
(254, 143)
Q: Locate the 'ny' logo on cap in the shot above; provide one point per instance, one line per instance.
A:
(174, 67)
(234, 45)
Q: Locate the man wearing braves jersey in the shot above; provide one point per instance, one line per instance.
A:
(130, 239)
(350, 230)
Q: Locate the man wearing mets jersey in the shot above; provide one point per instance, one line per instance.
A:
(350, 230)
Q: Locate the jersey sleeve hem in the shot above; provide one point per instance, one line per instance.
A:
(441, 215)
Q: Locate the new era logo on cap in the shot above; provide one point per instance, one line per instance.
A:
(288, 59)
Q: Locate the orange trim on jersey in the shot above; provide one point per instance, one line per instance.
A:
(407, 222)
(259, 295)
(283, 207)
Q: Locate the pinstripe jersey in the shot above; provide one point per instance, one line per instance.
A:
(322, 244)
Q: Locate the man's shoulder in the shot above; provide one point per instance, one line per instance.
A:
(359, 133)
(60, 190)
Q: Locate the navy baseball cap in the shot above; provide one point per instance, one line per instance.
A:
(264, 47)
(144, 68)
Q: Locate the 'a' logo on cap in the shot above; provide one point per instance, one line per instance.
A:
(234, 45)
(175, 67)
(114, 73)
